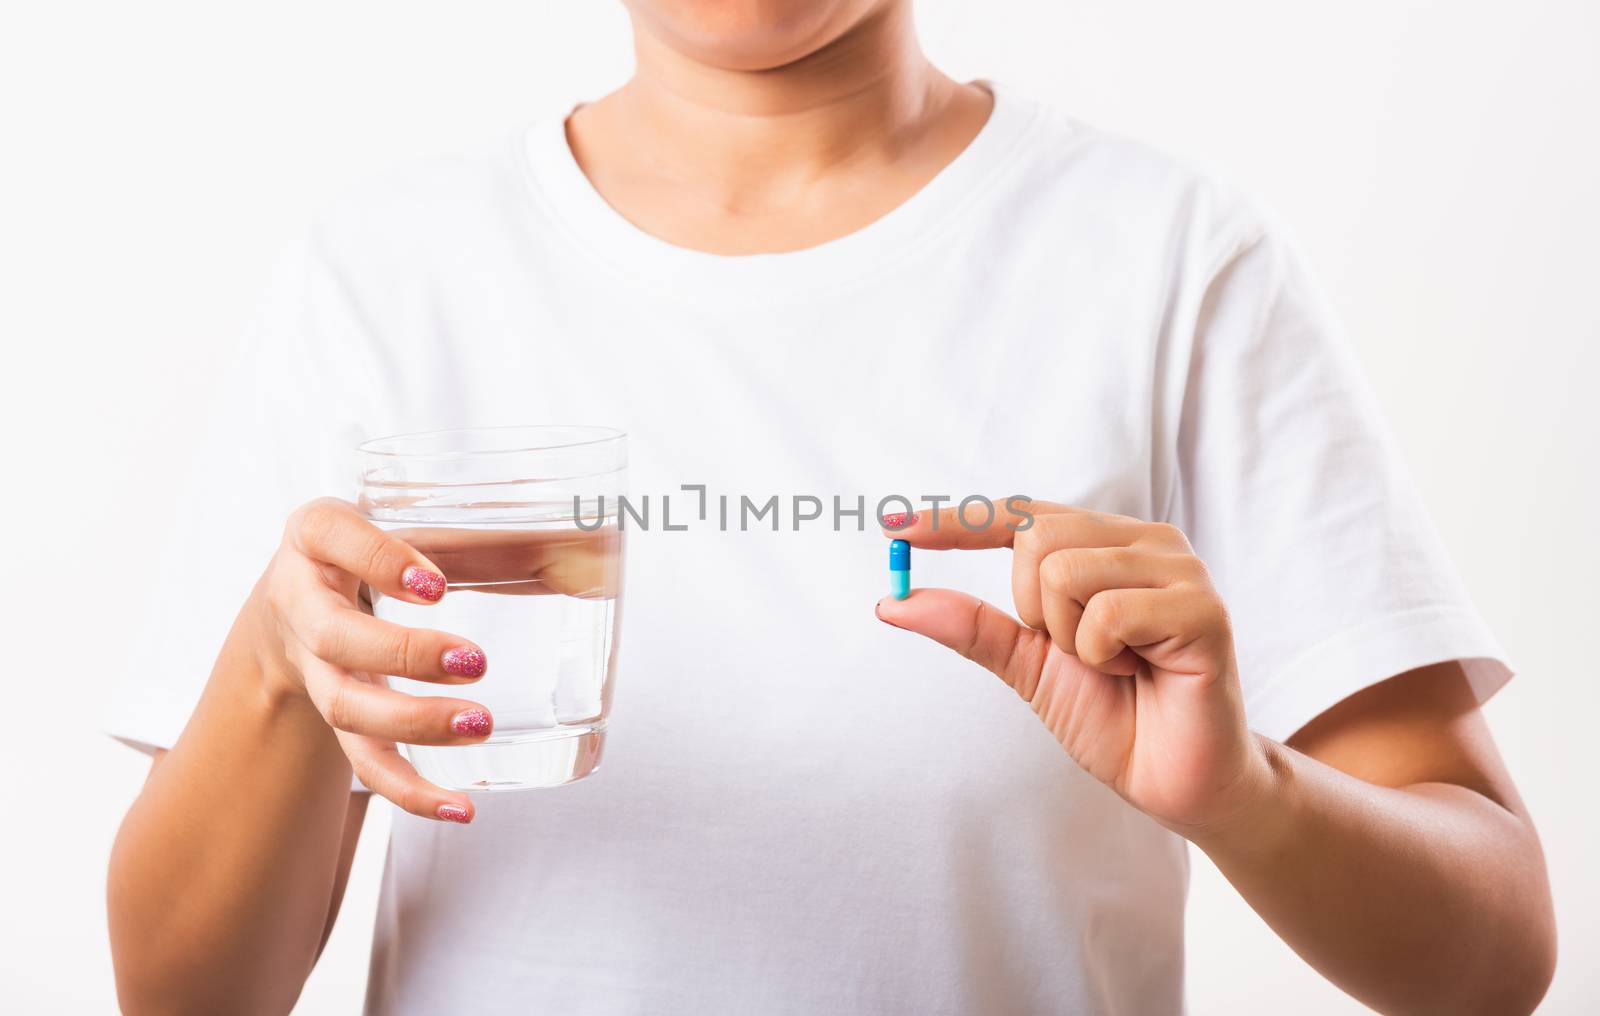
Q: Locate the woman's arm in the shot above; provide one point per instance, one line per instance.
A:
(1401, 865)
(1389, 848)
(228, 868)
(224, 873)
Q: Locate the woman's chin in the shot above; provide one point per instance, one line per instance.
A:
(749, 35)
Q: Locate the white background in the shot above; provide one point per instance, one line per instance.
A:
(1438, 162)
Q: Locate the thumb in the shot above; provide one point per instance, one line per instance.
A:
(980, 631)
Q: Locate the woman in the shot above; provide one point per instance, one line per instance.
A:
(871, 279)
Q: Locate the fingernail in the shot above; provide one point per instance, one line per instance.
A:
(454, 813)
(427, 584)
(900, 520)
(465, 661)
(471, 723)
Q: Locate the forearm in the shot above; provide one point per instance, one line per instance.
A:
(1427, 898)
(224, 868)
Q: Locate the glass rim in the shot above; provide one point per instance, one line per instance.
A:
(603, 435)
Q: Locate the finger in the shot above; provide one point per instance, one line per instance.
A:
(381, 769)
(354, 703)
(333, 532)
(1060, 531)
(1119, 621)
(574, 562)
(977, 630)
(975, 527)
(1067, 579)
(331, 630)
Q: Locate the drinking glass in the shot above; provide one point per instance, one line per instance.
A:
(522, 521)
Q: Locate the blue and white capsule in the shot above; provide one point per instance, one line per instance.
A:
(899, 569)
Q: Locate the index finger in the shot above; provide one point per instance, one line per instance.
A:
(973, 524)
(331, 531)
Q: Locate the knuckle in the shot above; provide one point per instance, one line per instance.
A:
(1194, 570)
(1168, 535)
(315, 522)
(980, 618)
(1030, 542)
(364, 769)
(1105, 611)
(323, 636)
(276, 586)
(418, 726)
(294, 526)
(1058, 571)
(405, 797)
(374, 554)
(338, 710)
(1217, 609)
(402, 651)
(1054, 529)
(1126, 560)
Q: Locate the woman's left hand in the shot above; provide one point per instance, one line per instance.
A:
(1124, 652)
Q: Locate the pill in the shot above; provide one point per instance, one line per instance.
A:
(899, 569)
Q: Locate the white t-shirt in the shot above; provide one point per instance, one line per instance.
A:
(802, 810)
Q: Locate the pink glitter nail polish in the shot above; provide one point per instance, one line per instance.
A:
(465, 662)
(454, 813)
(900, 520)
(471, 723)
(426, 584)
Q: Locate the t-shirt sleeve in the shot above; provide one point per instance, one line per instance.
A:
(280, 431)
(1290, 490)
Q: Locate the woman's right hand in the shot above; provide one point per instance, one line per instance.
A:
(319, 641)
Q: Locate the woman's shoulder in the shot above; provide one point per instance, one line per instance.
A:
(426, 205)
(1096, 175)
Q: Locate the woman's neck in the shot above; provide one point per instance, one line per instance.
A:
(738, 162)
